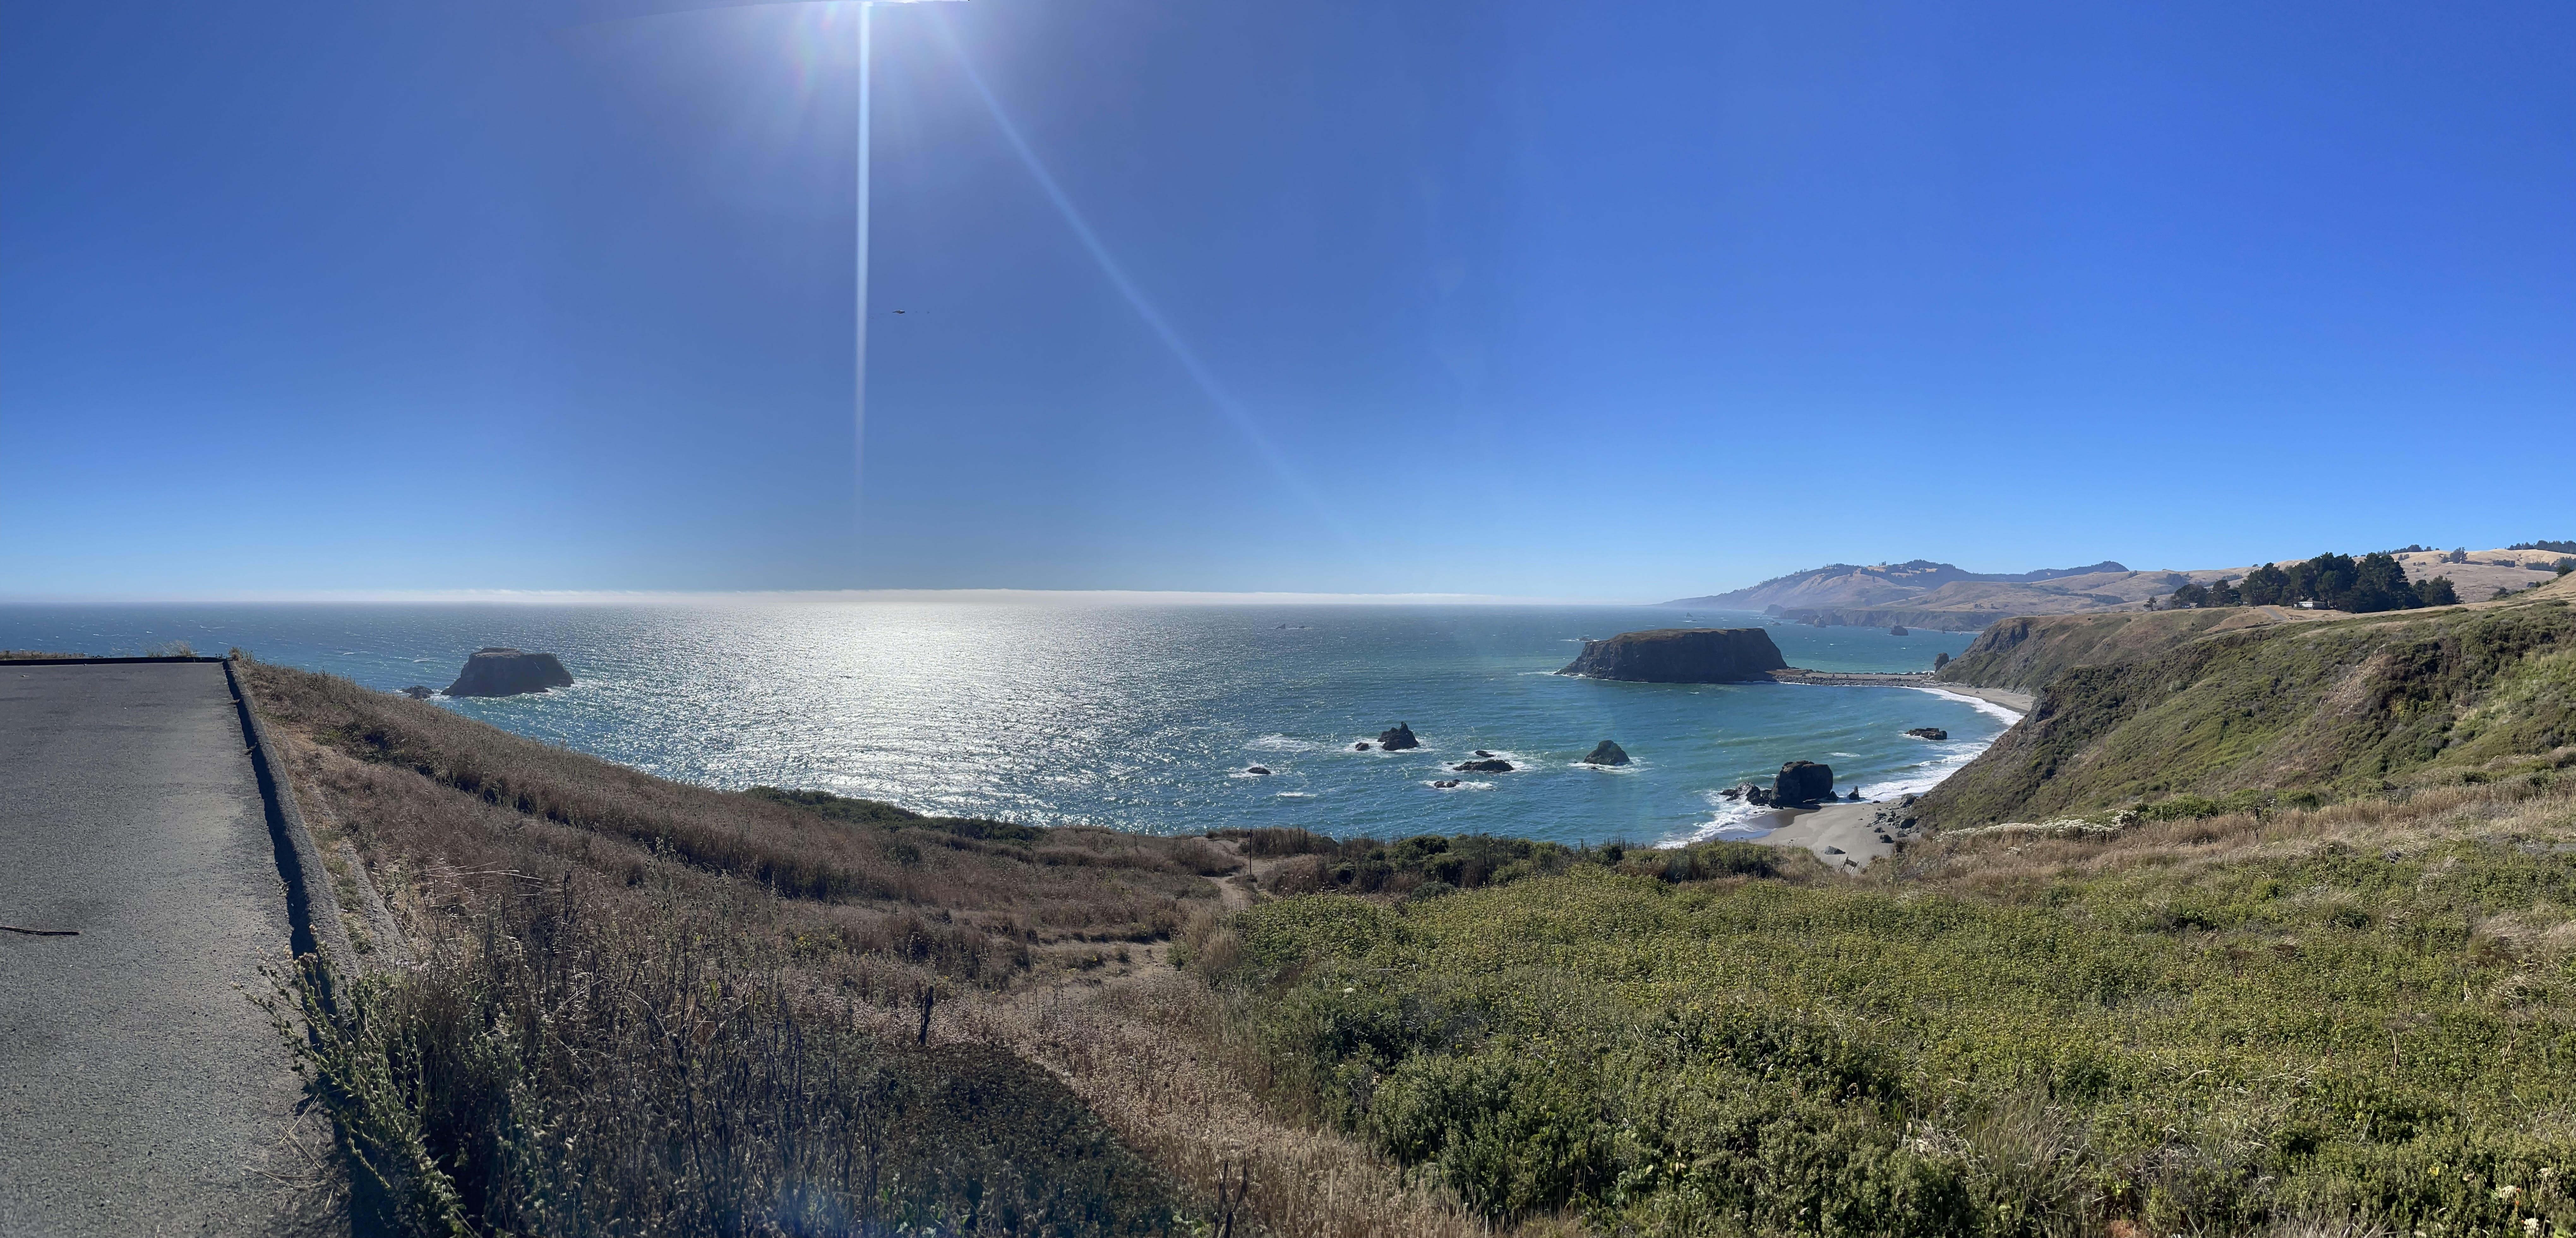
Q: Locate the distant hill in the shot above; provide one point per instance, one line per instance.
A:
(1843, 584)
(1921, 593)
(1942, 597)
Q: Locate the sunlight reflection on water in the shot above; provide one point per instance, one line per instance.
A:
(1135, 716)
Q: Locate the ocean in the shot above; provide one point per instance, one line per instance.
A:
(1135, 716)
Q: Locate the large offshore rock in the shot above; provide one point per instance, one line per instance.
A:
(498, 671)
(1607, 753)
(1680, 655)
(1802, 782)
(1398, 738)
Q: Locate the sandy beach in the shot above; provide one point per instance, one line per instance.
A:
(2018, 702)
(1845, 836)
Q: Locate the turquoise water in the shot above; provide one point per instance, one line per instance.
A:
(1132, 716)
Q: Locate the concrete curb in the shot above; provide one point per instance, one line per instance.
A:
(311, 907)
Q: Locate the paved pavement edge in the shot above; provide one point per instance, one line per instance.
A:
(311, 907)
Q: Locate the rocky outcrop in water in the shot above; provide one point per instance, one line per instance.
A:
(499, 671)
(1802, 782)
(1483, 767)
(1680, 655)
(419, 692)
(1607, 753)
(1933, 733)
(1398, 739)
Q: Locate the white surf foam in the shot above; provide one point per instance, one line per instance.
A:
(1734, 819)
(1978, 703)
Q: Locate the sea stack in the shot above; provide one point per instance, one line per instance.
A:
(495, 670)
(1398, 739)
(1802, 782)
(1680, 655)
(1607, 753)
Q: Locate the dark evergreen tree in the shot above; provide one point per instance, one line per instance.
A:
(2437, 592)
(2378, 583)
(2269, 586)
(2326, 580)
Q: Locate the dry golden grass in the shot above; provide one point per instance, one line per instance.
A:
(446, 806)
(1050, 945)
(1159, 1057)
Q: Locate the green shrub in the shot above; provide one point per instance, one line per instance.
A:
(2220, 1048)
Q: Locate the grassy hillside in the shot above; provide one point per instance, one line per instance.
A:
(2025, 652)
(597, 1002)
(2314, 711)
(2352, 1020)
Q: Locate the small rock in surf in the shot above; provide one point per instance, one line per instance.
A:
(1607, 753)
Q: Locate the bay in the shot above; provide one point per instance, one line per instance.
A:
(1134, 715)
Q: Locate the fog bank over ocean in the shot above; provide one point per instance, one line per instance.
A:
(1108, 710)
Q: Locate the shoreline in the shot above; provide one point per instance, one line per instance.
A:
(1845, 835)
(1920, 681)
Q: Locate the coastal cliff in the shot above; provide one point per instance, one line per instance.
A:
(2238, 708)
(1680, 655)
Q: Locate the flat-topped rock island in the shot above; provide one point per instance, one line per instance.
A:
(1680, 655)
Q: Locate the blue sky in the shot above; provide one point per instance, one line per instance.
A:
(1614, 300)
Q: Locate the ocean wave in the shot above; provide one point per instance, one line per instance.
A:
(1280, 743)
(1463, 785)
(1728, 819)
(1294, 795)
